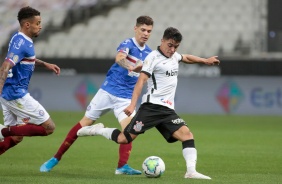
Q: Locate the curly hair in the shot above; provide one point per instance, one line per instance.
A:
(26, 13)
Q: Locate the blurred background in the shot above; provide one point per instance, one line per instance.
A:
(81, 36)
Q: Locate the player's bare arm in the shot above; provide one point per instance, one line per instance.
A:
(121, 61)
(4, 70)
(49, 66)
(136, 93)
(191, 59)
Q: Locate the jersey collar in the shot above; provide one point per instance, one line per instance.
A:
(161, 52)
(136, 43)
(26, 37)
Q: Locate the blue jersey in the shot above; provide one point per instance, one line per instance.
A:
(21, 55)
(119, 81)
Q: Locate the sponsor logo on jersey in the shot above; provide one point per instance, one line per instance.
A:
(177, 121)
(18, 43)
(171, 73)
(15, 58)
(166, 101)
(138, 126)
(124, 50)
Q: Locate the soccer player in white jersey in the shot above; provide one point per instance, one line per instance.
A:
(160, 70)
(115, 94)
(23, 115)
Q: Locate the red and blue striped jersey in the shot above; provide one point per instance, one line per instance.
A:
(22, 56)
(119, 81)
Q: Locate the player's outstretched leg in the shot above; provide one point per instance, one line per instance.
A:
(98, 129)
(190, 155)
(90, 130)
(48, 165)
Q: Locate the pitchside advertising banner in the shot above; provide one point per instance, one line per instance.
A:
(195, 95)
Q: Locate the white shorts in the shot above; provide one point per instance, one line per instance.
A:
(23, 110)
(103, 102)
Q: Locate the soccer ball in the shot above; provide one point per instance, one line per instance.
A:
(153, 167)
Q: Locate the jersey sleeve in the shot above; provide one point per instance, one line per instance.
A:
(125, 46)
(149, 64)
(178, 56)
(16, 51)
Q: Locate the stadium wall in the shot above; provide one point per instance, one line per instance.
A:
(195, 95)
(227, 67)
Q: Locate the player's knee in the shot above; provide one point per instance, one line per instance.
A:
(190, 135)
(17, 139)
(86, 121)
(127, 137)
(49, 126)
(121, 138)
(49, 132)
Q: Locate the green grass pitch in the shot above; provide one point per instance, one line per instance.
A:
(231, 149)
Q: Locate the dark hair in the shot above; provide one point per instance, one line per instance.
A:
(26, 13)
(144, 20)
(172, 33)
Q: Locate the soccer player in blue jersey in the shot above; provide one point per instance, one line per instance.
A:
(23, 115)
(114, 94)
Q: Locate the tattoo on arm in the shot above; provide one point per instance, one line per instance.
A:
(3, 77)
(39, 62)
(123, 63)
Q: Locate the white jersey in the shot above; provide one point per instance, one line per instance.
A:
(163, 73)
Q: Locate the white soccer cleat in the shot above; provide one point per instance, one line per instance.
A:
(90, 130)
(196, 175)
(1, 136)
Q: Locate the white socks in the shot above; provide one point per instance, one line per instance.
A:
(106, 132)
(190, 156)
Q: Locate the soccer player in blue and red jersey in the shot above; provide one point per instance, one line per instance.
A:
(23, 115)
(114, 94)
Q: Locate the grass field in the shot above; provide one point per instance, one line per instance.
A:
(231, 149)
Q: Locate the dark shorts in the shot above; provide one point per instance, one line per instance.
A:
(151, 115)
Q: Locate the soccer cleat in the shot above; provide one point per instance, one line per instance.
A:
(89, 130)
(1, 136)
(196, 175)
(127, 170)
(49, 164)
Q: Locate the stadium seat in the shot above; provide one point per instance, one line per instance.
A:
(207, 26)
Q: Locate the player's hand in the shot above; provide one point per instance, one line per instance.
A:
(54, 68)
(212, 60)
(129, 110)
(138, 67)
